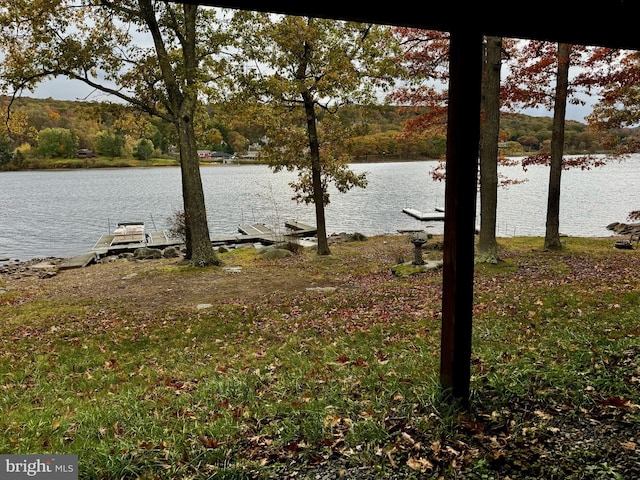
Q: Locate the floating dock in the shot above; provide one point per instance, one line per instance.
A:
(437, 215)
(260, 233)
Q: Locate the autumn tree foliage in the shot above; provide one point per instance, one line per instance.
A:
(57, 142)
(531, 83)
(615, 74)
(618, 78)
(425, 71)
(425, 60)
(306, 69)
(540, 77)
(15, 130)
(159, 56)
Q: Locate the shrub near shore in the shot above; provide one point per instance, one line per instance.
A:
(326, 365)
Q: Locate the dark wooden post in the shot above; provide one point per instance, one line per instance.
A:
(463, 137)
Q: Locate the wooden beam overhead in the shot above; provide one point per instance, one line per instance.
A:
(613, 23)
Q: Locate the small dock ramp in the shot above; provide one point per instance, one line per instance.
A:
(258, 232)
(103, 245)
(78, 261)
(300, 229)
(255, 230)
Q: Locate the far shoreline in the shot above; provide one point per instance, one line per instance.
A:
(111, 164)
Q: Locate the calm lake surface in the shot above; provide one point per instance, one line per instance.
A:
(64, 213)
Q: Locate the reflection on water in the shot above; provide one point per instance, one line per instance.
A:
(63, 213)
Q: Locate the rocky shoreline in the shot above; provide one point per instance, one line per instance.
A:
(37, 267)
(49, 266)
(631, 229)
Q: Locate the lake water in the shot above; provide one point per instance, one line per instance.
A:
(64, 213)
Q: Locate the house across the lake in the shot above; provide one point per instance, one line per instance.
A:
(215, 155)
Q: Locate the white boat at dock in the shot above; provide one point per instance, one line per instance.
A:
(129, 232)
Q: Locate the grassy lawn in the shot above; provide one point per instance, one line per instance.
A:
(291, 381)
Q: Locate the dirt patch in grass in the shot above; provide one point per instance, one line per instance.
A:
(244, 277)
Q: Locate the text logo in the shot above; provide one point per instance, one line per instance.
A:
(36, 466)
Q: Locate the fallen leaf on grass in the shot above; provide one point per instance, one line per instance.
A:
(209, 442)
(421, 464)
(543, 415)
(390, 457)
(617, 402)
(408, 439)
(111, 363)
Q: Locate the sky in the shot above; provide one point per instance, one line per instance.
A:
(574, 112)
(75, 90)
(65, 89)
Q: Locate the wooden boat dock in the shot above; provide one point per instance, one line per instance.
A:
(113, 244)
(260, 233)
(255, 230)
(107, 246)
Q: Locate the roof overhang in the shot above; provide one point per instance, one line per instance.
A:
(612, 24)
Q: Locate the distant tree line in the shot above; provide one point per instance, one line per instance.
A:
(48, 129)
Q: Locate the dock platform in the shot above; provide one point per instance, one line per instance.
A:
(298, 229)
(255, 229)
(106, 245)
(260, 233)
(424, 216)
(249, 233)
(78, 261)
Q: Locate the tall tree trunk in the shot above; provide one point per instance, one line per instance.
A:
(316, 175)
(182, 101)
(198, 241)
(552, 234)
(487, 251)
